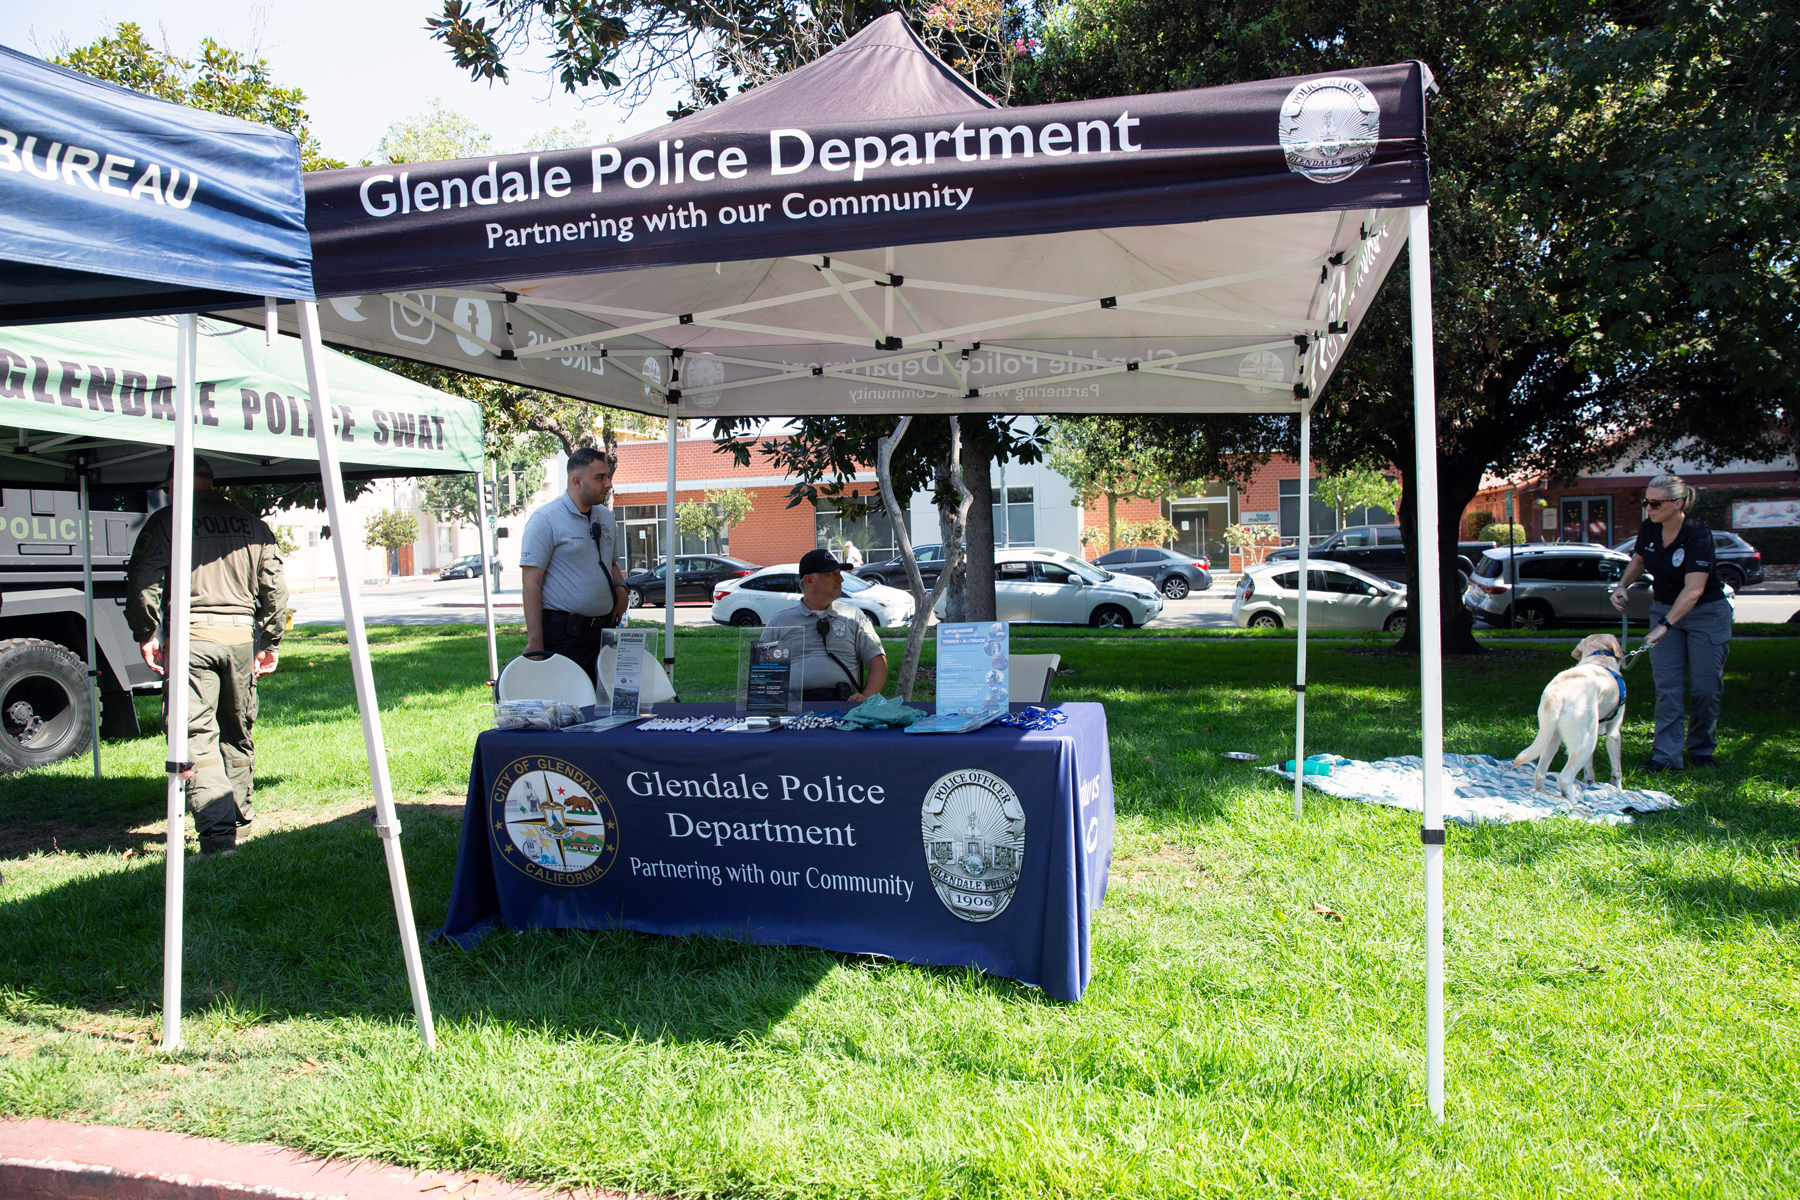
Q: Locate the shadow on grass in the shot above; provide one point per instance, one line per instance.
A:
(300, 923)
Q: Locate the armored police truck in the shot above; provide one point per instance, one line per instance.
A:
(44, 714)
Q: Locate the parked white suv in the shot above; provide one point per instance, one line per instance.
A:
(1049, 586)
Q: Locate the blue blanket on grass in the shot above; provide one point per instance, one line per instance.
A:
(1478, 787)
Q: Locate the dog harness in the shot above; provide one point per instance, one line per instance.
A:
(1618, 678)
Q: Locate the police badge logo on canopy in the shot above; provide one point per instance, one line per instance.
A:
(974, 830)
(552, 822)
(1329, 128)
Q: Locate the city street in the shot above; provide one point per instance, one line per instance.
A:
(425, 602)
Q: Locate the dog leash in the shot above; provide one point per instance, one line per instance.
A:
(1633, 657)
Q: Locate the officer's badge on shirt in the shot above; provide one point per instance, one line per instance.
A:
(1675, 558)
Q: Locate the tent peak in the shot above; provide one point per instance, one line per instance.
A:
(884, 71)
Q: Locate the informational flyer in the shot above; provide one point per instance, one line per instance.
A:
(973, 677)
(768, 679)
(628, 673)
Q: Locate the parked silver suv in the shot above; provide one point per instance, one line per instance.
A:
(1565, 584)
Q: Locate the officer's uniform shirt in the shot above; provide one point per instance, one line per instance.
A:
(1670, 565)
(851, 637)
(238, 591)
(559, 538)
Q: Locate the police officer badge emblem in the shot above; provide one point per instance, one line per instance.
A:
(974, 830)
(552, 822)
(1676, 558)
(1329, 128)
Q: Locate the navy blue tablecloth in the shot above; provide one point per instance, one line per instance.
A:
(987, 849)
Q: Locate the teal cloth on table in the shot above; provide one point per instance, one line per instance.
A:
(1477, 788)
(882, 712)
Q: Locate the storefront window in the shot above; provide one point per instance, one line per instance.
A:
(1015, 522)
(873, 536)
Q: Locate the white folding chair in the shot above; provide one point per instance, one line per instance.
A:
(553, 678)
(1028, 677)
(655, 689)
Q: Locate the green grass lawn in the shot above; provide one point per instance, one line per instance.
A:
(1622, 1001)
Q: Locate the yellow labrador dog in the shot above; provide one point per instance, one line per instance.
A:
(1577, 705)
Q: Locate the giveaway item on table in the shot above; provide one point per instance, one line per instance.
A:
(880, 712)
(535, 714)
(973, 677)
(1033, 717)
(711, 725)
(768, 683)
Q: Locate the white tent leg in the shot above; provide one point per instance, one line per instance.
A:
(87, 598)
(175, 648)
(669, 572)
(487, 594)
(386, 823)
(1431, 653)
(1300, 654)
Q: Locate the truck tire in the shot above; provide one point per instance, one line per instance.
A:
(44, 711)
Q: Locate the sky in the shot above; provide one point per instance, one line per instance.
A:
(362, 64)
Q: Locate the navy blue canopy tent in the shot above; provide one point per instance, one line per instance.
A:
(114, 203)
(868, 234)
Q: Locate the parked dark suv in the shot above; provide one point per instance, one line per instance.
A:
(1175, 575)
(1739, 562)
(893, 571)
(1377, 549)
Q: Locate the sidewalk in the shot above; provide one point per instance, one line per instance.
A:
(59, 1160)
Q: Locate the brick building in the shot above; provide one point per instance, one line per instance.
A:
(1604, 505)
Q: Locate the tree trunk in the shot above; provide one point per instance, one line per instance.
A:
(1456, 487)
(923, 602)
(1112, 522)
(977, 469)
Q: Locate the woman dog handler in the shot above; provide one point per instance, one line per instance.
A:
(1690, 623)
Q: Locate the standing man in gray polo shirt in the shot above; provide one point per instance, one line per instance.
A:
(566, 557)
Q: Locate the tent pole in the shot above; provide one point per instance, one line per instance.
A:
(1300, 654)
(387, 825)
(1431, 650)
(487, 594)
(493, 534)
(669, 566)
(175, 676)
(87, 597)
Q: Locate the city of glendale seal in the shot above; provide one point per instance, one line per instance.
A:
(552, 822)
(1329, 128)
(974, 833)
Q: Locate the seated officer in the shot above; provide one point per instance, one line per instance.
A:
(843, 659)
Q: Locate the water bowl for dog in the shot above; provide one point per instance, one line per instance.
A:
(1312, 768)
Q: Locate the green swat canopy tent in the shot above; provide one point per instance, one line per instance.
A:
(105, 390)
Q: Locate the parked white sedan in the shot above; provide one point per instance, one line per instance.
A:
(1051, 587)
(758, 596)
(1337, 597)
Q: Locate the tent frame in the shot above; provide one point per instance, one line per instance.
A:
(180, 769)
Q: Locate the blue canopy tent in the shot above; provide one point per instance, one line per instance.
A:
(113, 203)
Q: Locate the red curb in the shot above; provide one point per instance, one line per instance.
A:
(60, 1160)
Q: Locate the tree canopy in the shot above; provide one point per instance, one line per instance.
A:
(1565, 319)
(220, 80)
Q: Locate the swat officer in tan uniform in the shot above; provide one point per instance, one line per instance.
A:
(238, 614)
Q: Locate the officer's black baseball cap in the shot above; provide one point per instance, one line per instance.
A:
(818, 562)
(202, 468)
